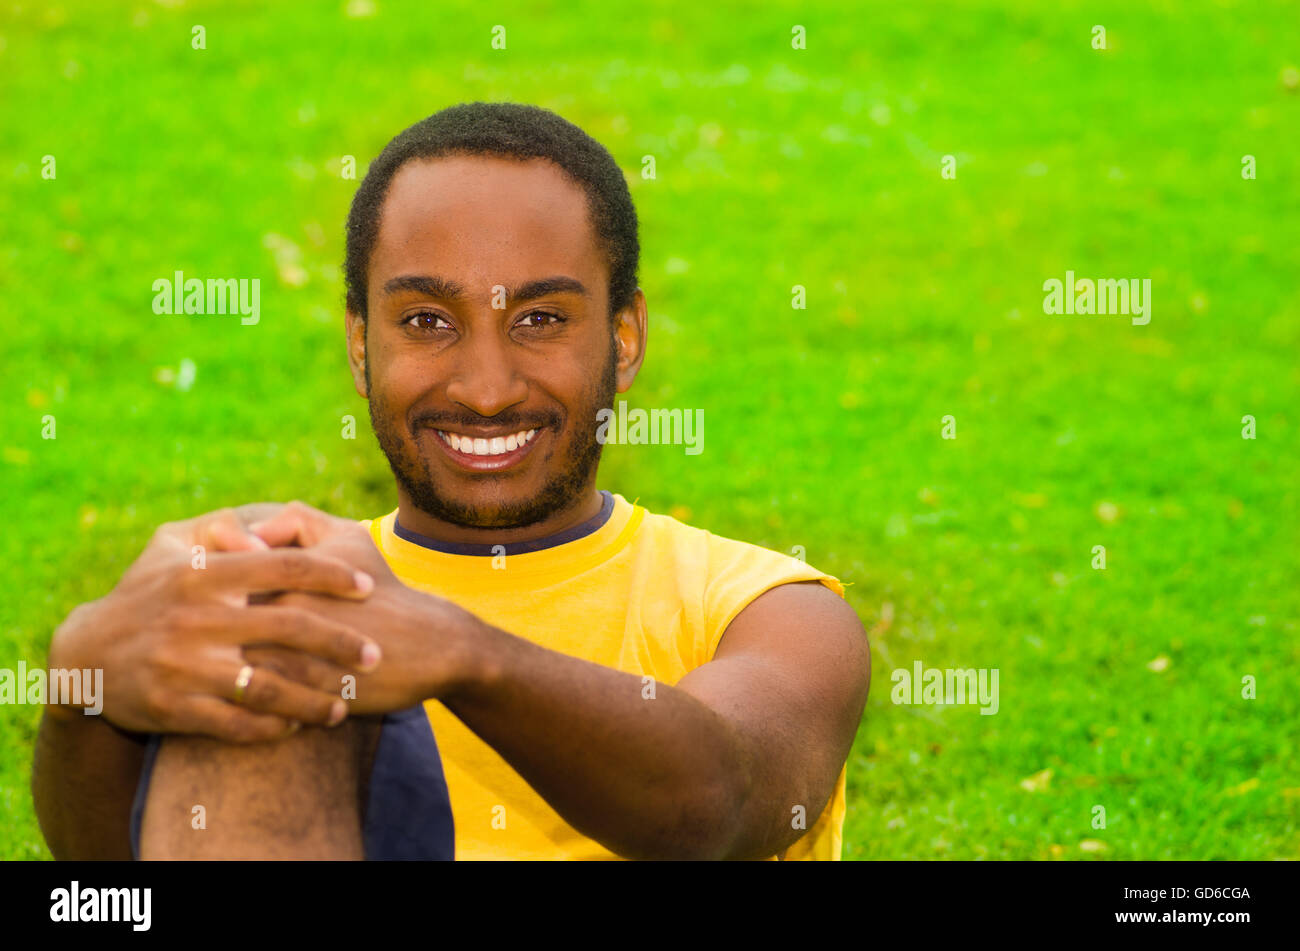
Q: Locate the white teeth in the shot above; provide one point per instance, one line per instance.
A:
(487, 447)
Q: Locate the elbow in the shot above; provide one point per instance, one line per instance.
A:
(706, 824)
(700, 824)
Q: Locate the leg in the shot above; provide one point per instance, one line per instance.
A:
(299, 798)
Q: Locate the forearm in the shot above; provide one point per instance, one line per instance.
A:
(84, 777)
(662, 777)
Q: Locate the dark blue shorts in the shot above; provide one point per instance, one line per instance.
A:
(407, 812)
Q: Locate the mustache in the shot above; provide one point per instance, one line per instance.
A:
(515, 421)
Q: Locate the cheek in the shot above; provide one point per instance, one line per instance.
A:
(397, 383)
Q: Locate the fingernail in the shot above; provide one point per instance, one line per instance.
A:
(365, 583)
(370, 655)
(294, 726)
(338, 710)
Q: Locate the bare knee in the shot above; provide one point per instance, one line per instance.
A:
(302, 797)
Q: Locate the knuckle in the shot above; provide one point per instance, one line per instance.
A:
(344, 644)
(263, 691)
(277, 661)
(290, 621)
(166, 620)
(289, 667)
(296, 670)
(218, 518)
(174, 621)
(189, 623)
(292, 565)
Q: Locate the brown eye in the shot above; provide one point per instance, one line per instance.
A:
(540, 319)
(425, 320)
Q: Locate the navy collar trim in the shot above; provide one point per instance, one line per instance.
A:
(487, 550)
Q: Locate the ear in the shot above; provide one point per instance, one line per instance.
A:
(630, 339)
(356, 332)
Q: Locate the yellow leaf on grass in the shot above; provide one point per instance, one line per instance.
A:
(1037, 782)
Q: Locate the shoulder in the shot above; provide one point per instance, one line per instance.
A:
(729, 575)
(720, 552)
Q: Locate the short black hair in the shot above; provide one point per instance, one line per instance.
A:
(517, 131)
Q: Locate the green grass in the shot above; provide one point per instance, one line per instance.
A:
(775, 167)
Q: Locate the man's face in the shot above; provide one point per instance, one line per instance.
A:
(488, 347)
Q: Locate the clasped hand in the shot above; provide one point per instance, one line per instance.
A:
(302, 597)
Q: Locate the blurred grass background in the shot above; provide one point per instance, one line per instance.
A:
(820, 167)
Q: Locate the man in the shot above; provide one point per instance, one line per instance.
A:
(601, 681)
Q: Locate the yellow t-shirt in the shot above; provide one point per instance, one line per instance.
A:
(643, 593)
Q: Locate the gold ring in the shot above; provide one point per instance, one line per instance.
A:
(242, 681)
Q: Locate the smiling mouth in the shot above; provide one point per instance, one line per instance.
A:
(487, 453)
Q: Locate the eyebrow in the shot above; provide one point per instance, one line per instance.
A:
(444, 289)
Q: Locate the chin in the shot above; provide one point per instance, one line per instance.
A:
(486, 510)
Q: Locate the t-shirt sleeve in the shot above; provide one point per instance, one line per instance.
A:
(739, 573)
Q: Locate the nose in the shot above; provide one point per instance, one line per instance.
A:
(485, 379)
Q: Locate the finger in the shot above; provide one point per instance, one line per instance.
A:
(224, 531)
(212, 716)
(269, 693)
(288, 569)
(216, 530)
(228, 536)
(298, 666)
(298, 524)
(295, 628)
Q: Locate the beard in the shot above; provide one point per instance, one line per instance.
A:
(563, 487)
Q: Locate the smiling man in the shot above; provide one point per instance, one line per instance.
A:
(561, 671)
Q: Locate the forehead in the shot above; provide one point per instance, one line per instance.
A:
(486, 220)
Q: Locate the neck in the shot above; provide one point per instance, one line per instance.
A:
(585, 507)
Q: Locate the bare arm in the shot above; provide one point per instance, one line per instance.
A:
(710, 768)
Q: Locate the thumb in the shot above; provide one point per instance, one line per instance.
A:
(226, 533)
(296, 524)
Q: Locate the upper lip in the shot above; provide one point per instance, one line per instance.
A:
(484, 433)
